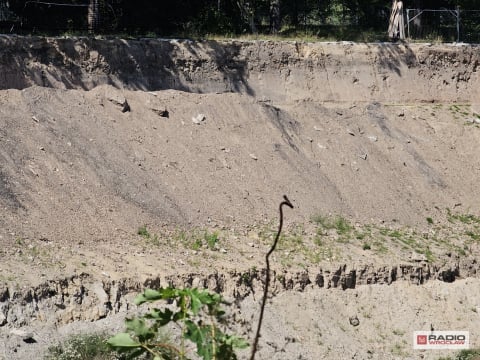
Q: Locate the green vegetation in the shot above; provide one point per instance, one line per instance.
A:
(398, 350)
(211, 239)
(358, 20)
(197, 313)
(463, 218)
(194, 239)
(336, 238)
(339, 224)
(366, 246)
(470, 354)
(82, 347)
(335, 234)
(142, 231)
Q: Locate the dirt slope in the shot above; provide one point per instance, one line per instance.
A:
(72, 157)
(309, 113)
(213, 135)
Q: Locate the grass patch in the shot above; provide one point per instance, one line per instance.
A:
(463, 218)
(475, 236)
(467, 354)
(366, 246)
(211, 239)
(152, 239)
(82, 347)
(339, 223)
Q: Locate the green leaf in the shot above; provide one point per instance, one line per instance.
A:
(237, 342)
(139, 328)
(195, 301)
(148, 295)
(200, 335)
(122, 340)
(161, 317)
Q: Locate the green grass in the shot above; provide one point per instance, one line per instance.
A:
(463, 218)
(152, 239)
(475, 236)
(211, 239)
(340, 224)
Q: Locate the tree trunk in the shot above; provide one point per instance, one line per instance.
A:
(274, 16)
(248, 13)
(396, 27)
(93, 16)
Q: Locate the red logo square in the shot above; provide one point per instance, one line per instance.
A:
(422, 339)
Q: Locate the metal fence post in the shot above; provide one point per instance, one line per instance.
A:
(408, 22)
(458, 24)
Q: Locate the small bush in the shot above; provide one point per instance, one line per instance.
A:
(82, 347)
(198, 314)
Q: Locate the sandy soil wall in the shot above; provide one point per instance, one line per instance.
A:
(280, 72)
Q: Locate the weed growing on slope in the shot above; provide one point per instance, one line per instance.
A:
(463, 218)
(194, 239)
(467, 354)
(152, 239)
(82, 347)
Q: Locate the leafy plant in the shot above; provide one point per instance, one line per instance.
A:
(197, 312)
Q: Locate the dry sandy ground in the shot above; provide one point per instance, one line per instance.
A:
(383, 136)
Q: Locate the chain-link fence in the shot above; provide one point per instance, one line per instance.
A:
(443, 25)
(322, 20)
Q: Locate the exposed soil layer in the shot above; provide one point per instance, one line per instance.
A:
(198, 139)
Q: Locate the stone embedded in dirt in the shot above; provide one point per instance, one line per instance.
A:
(158, 108)
(199, 119)
(350, 132)
(254, 157)
(416, 257)
(24, 335)
(162, 113)
(3, 316)
(115, 97)
(125, 107)
(354, 320)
